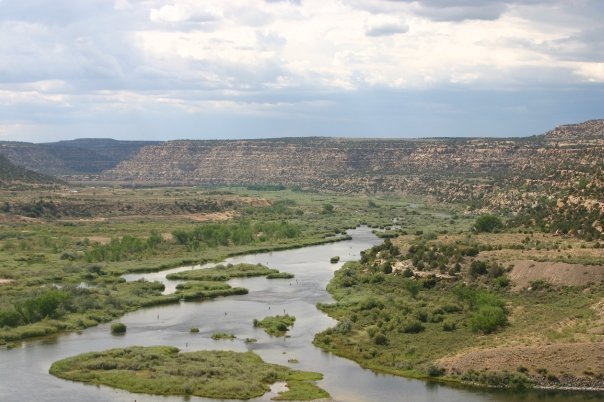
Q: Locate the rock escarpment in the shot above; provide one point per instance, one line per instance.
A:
(372, 164)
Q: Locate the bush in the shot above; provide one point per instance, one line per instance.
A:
(487, 223)
(502, 281)
(487, 319)
(118, 328)
(449, 326)
(435, 371)
(9, 318)
(380, 339)
(478, 268)
(539, 285)
(328, 209)
(412, 327)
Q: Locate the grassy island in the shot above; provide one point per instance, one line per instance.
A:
(224, 272)
(164, 370)
(276, 325)
(199, 290)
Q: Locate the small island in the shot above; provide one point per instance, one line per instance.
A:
(223, 336)
(199, 290)
(223, 273)
(276, 325)
(164, 370)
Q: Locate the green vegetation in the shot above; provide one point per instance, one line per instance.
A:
(401, 325)
(241, 233)
(118, 328)
(301, 391)
(224, 273)
(334, 260)
(223, 336)
(414, 300)
(163, 370)
(90, 237)
(124, 248)
(280, 275)
(488, 223)
(199, 290)
(276, 325)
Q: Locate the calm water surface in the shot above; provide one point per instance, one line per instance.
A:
(24, 370)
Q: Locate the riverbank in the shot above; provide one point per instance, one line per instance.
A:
(399, 315)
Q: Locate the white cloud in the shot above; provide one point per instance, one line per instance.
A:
(182, 12)
(384, 26)
(185, 54)
(121, 5)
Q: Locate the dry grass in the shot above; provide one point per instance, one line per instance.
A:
(574, 359)
(556, 273)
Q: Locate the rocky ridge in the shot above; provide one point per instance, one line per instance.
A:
(371, 165)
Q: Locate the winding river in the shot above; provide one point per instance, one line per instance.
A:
(24, 370)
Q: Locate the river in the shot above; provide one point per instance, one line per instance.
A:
(24, 370)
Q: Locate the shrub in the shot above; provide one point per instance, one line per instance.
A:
(344, 327)
(478, 268)
(487, 319)
(539, 285)
(421, 315)
(118, 328)
(327, 209)
(412, 327)
(452, 308)
(9, 318)
(487, 223)
(502, 281)
(380, 339)
(449, 326)
(435, 371)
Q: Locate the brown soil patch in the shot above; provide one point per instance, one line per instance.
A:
(5, 281)
(569, 358)
(76, 220)
(212, 216)
(557, 273)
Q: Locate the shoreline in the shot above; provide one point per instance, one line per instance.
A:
(7, 342)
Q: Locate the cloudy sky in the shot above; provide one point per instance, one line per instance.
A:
(154, 69)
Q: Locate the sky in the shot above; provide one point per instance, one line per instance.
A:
(194, 69)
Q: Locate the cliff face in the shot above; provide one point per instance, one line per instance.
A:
(368, 164)
(83, 156)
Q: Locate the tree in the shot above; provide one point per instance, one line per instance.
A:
(487, 223)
